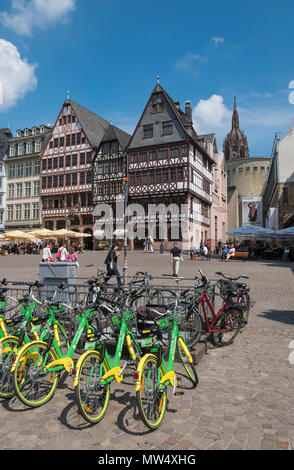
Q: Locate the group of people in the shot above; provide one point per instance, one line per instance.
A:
(22, 248)
(148, 244)
(63, 254)
(228, 252)
(111, 261)
(203, 250)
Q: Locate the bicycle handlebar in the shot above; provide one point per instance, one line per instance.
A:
(232, 278)
(29, 284)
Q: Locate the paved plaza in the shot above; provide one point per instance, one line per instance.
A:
(245, 396)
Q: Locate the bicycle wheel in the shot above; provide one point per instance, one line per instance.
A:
(32, 384)
(191, 327)
(227, 326)
(150, 398)
(245, 300)
(189, 367)
(91, 396)
(8, 351)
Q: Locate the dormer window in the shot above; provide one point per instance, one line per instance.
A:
(18, 134)
(157, 107)
(34, 130)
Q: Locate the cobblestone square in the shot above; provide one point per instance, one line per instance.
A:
(245, 396)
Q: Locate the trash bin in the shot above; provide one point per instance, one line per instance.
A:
(54, 274)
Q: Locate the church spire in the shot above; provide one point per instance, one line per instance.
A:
(235, 118)
(235, 144)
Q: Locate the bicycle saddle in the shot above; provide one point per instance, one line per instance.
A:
(242, 284)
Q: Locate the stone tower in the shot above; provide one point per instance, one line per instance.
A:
(235, 144)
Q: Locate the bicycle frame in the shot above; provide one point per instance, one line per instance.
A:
(169, 376)
(66, 361)
(115, 372)
(209, 326)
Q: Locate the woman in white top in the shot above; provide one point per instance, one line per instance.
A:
(231, 253)
(46, 253)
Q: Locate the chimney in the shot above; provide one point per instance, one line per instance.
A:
(188, 111)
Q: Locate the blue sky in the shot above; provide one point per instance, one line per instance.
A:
(109, 52)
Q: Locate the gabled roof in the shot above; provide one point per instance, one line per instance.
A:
(94, 126)
(182, 117)
(186, 125)
(114, 133)
(211, 138)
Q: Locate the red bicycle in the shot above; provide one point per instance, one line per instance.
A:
(223, 325)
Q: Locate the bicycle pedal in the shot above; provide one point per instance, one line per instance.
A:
(179, 394)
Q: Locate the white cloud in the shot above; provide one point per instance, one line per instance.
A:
(259, 121)
(211, 115)
(26, 15)
(188, 62)
(217, 40)
(17, 76)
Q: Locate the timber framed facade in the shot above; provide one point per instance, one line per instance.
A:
(168, 165)
(67, 169)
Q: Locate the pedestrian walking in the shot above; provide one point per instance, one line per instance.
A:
(219, 247)
(176, 258)
(151, 244)
(146, 244)
(111, 264)
(62, 253)
(46, 253)
(206, 252)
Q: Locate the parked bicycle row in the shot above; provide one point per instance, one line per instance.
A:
(39, 339)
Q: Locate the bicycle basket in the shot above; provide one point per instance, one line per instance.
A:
(165, 323)
(130, 318)
(114, 321)
(226, 286)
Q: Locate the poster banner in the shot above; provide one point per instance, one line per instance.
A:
(252, 211)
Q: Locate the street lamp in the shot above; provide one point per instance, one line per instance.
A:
(126, 196)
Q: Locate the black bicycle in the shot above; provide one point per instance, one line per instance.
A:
(242, 290)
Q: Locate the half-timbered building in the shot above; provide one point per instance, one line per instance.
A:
(110, 173)
(167, 164)
(67, 168)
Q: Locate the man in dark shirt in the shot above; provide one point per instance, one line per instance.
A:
(175, 257)
(111, 264)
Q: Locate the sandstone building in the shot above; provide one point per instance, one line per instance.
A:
(246, 178)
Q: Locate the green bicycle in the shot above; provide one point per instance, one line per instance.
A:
(39, 327)
(95, 370)
(154, 375)
(37, 367)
